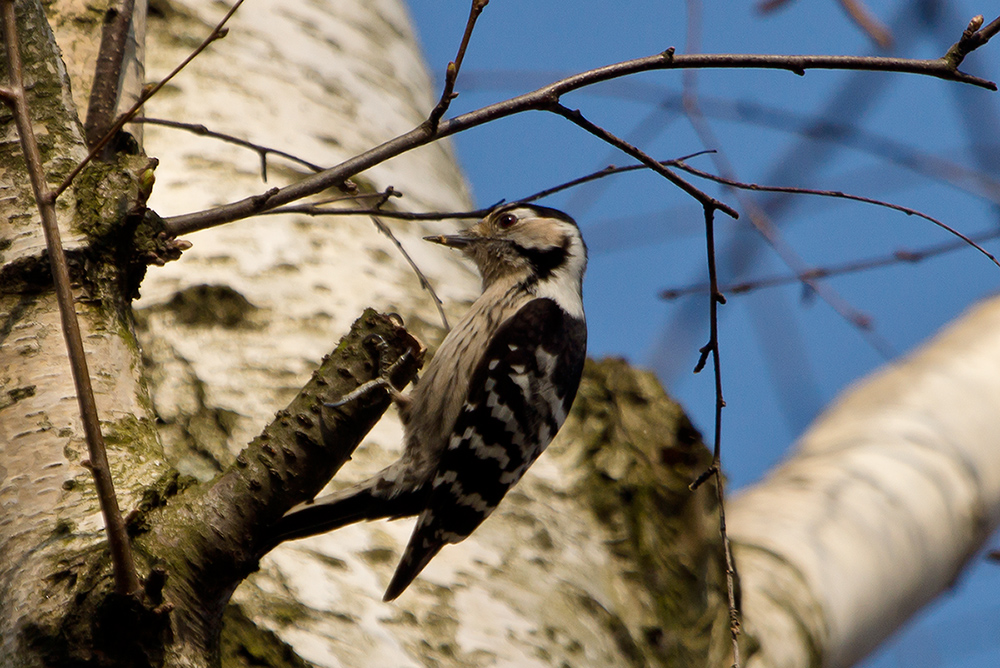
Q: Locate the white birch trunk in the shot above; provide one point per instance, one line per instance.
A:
(879, 509)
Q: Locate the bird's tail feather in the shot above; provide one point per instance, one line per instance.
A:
(414, 560)
(360, 503)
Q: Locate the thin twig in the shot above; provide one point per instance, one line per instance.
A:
(840, 195)
(424, 283)
(715, 470)
(126, 580)
(974, 36)
(543, 98)
(106, 88)
(574, 116)
(809, 127)
(217, 33)
(770, 5)
(762, 222)
(816, 273)
(715, 298)
(316, 210)
(201, 130)
(864, 19)
(451, 73)
(602, 173)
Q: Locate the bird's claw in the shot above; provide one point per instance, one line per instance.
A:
(383, 379)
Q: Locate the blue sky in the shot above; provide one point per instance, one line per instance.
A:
(785, 353)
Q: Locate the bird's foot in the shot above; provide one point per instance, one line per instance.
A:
(383, 380)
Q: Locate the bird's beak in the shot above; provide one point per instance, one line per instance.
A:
(452, 240)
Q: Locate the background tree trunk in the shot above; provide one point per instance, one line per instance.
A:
(886, 498)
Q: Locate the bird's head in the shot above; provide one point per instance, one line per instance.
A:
(523, 242)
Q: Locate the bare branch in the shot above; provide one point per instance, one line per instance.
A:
(384, 229)
(804, 125)
(840, 195)
(766, 228)
(543, 98)
(217, 33)
(126, 580)
(105, 91)
(227, 525)
(316, 210)
(602, 173)
(770, 5)
(715, 470)
(424, 283)
(201, 130)
(705, 200)
(451, 73)
(694, 32)
(973, 37)
(865, 20)
(813, 274)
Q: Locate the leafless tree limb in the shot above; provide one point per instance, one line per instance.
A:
(451, 73)
(104, 93)
(201, 130)
(574, 116)
(816, 273)
(840, 195)
(757, 216)
(424, 283)
(864, 19)
(543, 98)
(715, 298)
(715, 470)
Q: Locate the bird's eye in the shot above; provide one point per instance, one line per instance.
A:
(506, 220)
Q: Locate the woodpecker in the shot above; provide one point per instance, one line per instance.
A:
(491, 399)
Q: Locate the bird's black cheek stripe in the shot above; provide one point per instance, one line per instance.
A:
(544, 261)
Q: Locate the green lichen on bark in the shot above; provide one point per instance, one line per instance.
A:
(105, 192)
(134, 434)
(246, 645)
(638, 453)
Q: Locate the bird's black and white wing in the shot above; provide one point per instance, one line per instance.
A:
(519, 395)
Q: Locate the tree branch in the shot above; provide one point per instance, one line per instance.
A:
(840, 195)
(574, 116)
(105, 91)
(451, 73)
(761, 222)
(864, 19)
(973, 37)
(210, 538)
(715, 470)
(201, 130)
(318, 210)
(817, 273)
(602, 173)
(541, 99)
